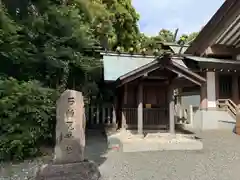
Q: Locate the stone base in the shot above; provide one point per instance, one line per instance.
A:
(167, 146)
(85, 170)
(127, 142)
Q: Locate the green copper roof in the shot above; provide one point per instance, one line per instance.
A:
(116, 65)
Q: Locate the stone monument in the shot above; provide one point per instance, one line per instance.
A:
(69, 162)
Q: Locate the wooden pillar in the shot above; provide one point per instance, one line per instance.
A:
(179, 104)
(124, 123)
(190, 114)
(211, 89)
(140, 109)
(204, 102)
(114, 113)
(171, 110)
(98, 114)
(235, 87)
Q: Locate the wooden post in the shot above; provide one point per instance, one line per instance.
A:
(92, 116)
(114, 117)
(97, 114)
(124, 123)
(140, 109)
(171, 111)
(190, 114)
(204, 103)
(178, 106)
(103, 115)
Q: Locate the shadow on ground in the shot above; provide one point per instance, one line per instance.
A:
(96, 145)
(181, 130)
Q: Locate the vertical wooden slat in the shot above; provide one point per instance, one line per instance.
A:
(103, 115)
(125, 94)
(97, 114)
(91, 115)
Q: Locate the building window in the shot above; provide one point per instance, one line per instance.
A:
(225, 86)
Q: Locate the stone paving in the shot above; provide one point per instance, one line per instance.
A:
(220, 160)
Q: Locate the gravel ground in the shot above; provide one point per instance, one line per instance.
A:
(220, 160)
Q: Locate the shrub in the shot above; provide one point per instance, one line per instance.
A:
(27, 118)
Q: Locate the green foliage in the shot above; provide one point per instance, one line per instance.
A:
(152, 42)
(47, 41)
(51, 42)
(27, 113)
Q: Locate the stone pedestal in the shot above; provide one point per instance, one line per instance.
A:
(84, 170)
(68, 162)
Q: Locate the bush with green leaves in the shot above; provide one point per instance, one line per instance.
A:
(27, 118)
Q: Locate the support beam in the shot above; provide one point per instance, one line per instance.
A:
(171, 110)
(140, 108)
(182, 82)
(185, 75)
(221, 50)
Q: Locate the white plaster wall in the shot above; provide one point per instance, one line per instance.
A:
(213, 119)
(197, 120)
(211, 89)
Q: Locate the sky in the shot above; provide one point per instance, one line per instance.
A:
(187, 15)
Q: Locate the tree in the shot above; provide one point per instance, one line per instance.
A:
(165, 35)
(192, 36)
(124, 21)
(186, 39)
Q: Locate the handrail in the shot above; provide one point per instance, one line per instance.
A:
(228, 105)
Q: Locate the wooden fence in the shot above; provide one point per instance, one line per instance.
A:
(155, 118)
(98, 115)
